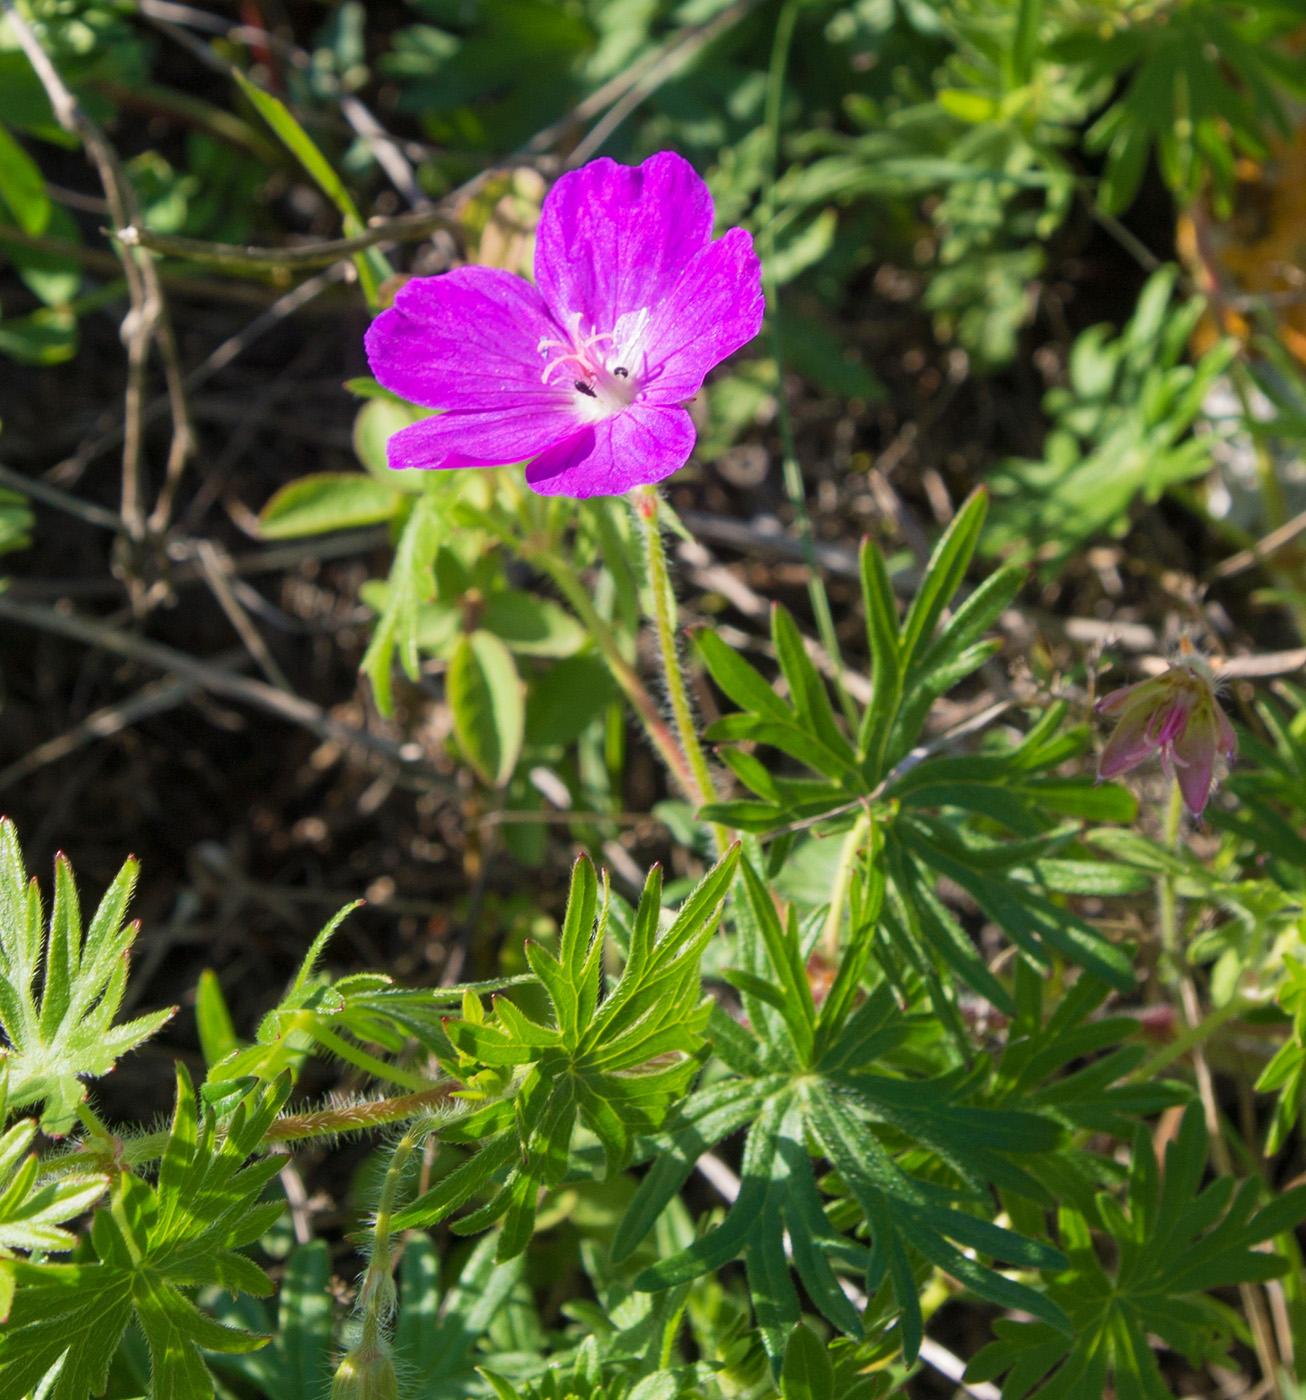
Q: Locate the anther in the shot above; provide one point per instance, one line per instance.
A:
(622, 371)
(586, 389)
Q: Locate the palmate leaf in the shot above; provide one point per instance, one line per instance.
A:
(152, 1246)
(615, 1063)
(338, 1017)
(33, 1210)
(803, 1082)
(67, 1032)
(1175, 1241)
(994, 823)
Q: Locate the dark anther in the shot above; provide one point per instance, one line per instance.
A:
(624, 373)
(586, 389)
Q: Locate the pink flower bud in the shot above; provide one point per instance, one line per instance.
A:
(1177, 716)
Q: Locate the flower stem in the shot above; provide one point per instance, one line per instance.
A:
(702, 788)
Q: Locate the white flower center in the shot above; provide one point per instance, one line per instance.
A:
(603, 371)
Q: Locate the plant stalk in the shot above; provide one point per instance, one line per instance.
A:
(702, 788)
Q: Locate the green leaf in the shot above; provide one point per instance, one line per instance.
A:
(739, 680)
(324, 501)
(566, 700)
(69, 1033)
(411, 584)
(1176, 1239)
(22, 187)
(213, 1020)
(32, 1211)
(943, 575)
(807, 1373)
(47, 337)
(371, 264)
(376, 423)
(485, 699)
(532, 626)
(618, 1065)
(155, 1245)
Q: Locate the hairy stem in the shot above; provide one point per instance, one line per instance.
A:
(702, 789)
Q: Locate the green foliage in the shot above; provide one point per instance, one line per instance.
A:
(66, 1032)
(927, 1008)
(33, 1211)
(1121, 433)
(149, 1248)
(595, 1062)
(802, 1082)
(485, 700)
(1197, 115)
(993, 823)
(1174, 1241)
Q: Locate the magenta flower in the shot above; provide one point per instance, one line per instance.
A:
(1177, 716)
(583, 375)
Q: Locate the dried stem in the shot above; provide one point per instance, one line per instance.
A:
(147, 319)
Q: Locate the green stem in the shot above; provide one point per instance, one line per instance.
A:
(1167, 906)
(369, 1064)
(1190, 1039)
(702, 788)
(376, 1296)
(793, 473)
(843, 876)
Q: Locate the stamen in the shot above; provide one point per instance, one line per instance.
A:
(622, 371)
(586, 389)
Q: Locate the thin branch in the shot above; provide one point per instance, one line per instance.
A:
(216, 566)
(682, 47)
(153, 699)
(404, 228)
(61, 500)
(292, 708)
(71, 468)
(147, 320)
(1247, 558)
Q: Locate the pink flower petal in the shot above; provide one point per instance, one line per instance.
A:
(496, 438)
(1131, 741)
(469, 339)
(1116, 701)
(642, 444)
(1168, 723)
(714, 308)
(1194, 752)
(612, 238)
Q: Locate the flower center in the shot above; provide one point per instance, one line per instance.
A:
(603, 371)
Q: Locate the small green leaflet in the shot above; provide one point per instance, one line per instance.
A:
(68, 1033)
